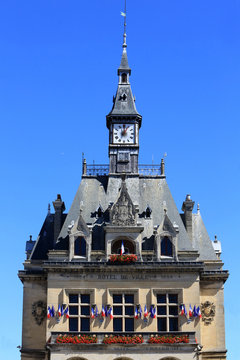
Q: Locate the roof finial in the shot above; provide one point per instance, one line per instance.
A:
(198, 208)
(124, 14)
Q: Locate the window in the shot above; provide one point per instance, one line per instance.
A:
(123, 312)
(124, 78)
(129, 247)
(80, 246)
(166, 247)
(79, 312)
(167, 312)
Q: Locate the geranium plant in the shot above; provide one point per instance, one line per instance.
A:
(123, 259)
(168, 339)
(77, 339)
(122, 339)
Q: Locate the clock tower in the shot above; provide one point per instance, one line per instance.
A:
(123, 122)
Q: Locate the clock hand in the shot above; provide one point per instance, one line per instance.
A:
(125, 130)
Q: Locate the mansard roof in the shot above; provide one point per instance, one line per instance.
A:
(45, 238)
(143, 191)
(201, 240)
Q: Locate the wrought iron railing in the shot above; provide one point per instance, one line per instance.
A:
(97, 169)
(99, 337)
(103, 169)
(150, 170)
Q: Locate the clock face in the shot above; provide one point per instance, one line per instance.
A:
(123, 134)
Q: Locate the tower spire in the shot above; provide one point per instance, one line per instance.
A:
(124, 61)
(125, 26)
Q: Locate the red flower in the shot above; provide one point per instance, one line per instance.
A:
(77, 339)
(169, 339)
(121, 339)
(123, 259)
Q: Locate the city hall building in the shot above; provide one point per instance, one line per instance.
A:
(123, 275)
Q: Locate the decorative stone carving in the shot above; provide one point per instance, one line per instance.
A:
(39, 311)
(123, 212)
(208, 312)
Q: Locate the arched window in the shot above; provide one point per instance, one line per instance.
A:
(124, 78)
(129, 247)
(166, 247)
(80, 246)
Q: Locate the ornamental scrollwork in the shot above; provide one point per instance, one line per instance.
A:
(39, 311)
(208, 312)
(123, 212)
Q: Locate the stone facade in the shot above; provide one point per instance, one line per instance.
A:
(76, 269)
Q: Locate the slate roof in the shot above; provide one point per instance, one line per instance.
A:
(104, 191)
(45, 238)
(201, 240)
(124, 62)
(121, 106)
(143, 192)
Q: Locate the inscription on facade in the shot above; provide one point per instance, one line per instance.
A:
(126, 277)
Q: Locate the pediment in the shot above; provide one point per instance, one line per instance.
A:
(167, 226)
(80, 226)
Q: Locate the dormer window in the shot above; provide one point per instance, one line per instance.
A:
(80, 246)
(166, 247)
(124, 78)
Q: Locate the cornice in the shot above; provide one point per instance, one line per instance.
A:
(214, 275)
(157, 267)
(28, 275)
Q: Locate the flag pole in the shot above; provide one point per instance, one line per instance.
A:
(125, 11)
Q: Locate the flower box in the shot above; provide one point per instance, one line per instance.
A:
(77, 339)
(169, 339)
(121, 339)
(123, 259)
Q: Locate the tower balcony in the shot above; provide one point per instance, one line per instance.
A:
(103, 169)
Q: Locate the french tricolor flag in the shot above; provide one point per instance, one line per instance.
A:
(122, 249)
(92, 313)
(199, 312)
(140, 312)
(145, 312)
(195, 314)
(103, 312)
(48, 312)
(59, 311)
(190, 311)
(110, 313)
(153, 312)
(66, 312)
(136, 313)
(182, 309)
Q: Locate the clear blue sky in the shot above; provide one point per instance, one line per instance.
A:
(58, 65)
